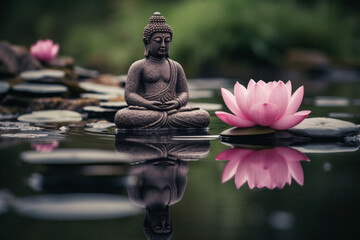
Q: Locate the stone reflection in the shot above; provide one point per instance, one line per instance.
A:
(160, 168)
(269, 168)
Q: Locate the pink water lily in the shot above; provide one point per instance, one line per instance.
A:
(44, 50)
(267, 104)
(45, 147)
(268, 168)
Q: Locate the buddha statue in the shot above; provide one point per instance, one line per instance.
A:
(156, 87)
(160, 184)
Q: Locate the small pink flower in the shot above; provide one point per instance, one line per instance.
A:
(268, 168)
(266, 104)
(45, 147)
(44, 50)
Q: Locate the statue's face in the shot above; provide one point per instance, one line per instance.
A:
(159, 45)
(159, 219)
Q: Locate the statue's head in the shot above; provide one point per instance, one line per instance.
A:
(157, 223)
(157, 37)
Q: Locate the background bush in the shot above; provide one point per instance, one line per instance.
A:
(107, 34)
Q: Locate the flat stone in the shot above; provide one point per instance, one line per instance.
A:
(101, 124)
(97, 109)
(99, 96)
(75, 206)
(43, 73)
(325, 128)
(73, 156)
(35, 88)
(344, 115)
(61, 62)
(86, 73)
(24, 135)
(22, 126)
(99, 112)
(100, 88)
(323, 101)
(4, 87)
(51, 116)
(329, 147)
(114, 105)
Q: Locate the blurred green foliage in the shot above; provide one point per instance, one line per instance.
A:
(107, 34)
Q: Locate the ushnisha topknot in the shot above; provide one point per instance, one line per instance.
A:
(157, 23)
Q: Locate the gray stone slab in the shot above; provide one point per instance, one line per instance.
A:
(325, 128)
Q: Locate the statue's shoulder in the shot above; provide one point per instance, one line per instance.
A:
(176, 64)
(137, 66)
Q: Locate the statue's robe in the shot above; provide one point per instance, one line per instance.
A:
(138, 117)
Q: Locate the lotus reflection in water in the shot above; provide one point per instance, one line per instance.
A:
(268, 168)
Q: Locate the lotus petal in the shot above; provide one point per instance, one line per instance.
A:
(264, 114)
(230, 101)
(240, 96)
(295, 101)
(233, 120)
(290, 121)
(280, 97)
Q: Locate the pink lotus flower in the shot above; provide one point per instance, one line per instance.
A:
(268, 168)
(266, 104)
(45, 147)
(44, 50)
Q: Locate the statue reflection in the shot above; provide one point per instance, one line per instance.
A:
(160, 168)
(269, 168)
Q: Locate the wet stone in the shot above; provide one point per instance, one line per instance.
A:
(41, 74)
(43, 89)
(24, 135)
(101, 124)
(98, 112)
(4, 87)
(75, 206)
(327, 147)
(15, 59)
(114, 105)
(51, 116)
(331, 102)
(99, 96)
(325, 128)
(18, 126)
(100, 88)
(61, 62)
(73, 156)
(6, 116)
(85, 73)
(344, 115)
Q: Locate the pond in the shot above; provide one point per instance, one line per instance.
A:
(81, 180)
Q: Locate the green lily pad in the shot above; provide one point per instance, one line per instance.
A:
(258, 130)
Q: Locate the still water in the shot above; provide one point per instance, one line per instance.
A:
(84, 181)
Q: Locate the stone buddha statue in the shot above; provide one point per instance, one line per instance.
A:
(156, 87)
